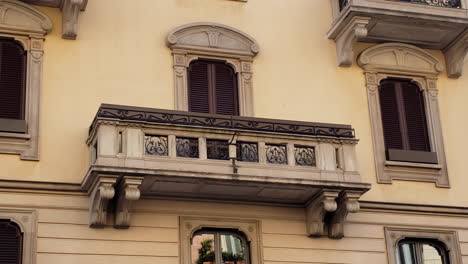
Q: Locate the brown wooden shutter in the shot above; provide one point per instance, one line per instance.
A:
(390, 116)
(10, 243)
(226, 90)
(12, 79)
(212, 88)
(415, 117)
(198, 87)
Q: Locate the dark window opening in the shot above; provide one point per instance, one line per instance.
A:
(11, 242)
(421, 251)
(404, 122)
(212, 88)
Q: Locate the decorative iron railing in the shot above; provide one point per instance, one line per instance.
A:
(440, 3)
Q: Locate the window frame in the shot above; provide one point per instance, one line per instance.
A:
(387, 61)
(31, 36)
(448, 238)
(213, 41)
(250, 229)
(419, 244)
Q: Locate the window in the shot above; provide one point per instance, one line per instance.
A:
(419, 251)
(213, 63)
(21, 56)
(218, 246)
(404, 122)
(402, 96)
(212, 88)
(11, 239)
(12, 85)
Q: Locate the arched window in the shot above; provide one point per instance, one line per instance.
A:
(404, 121)
(421, 251)
(212, 88)
(219, 246)
(12, 80)
(11, 242)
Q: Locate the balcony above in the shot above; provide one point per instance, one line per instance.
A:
(432, 24)
(160, 153)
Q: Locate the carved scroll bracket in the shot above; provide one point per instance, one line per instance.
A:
(101, 193)
(127, 192)
(347, 203)
(316, 210)
(70, 12)
(455, 56)
(347, 38)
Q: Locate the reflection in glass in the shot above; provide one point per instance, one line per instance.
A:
(431, 255)
(232, 249)
(406, 253)
(412, 251)
(203, 250)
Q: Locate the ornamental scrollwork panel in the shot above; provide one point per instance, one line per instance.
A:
(156, 145)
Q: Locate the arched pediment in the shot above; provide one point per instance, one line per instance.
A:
(398, 57)
(214, 38)
(20, 17)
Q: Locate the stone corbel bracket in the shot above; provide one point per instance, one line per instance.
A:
(347, 39)
(347, 203)
(70, 12)
(316, 210)
(127, 192)
(455, 55)
(100, 194)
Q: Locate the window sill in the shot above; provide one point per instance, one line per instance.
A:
(389, 163)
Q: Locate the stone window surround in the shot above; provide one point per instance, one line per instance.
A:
(26, 220)
(30, 35)
(393, 235)
(390, 60)
(249, 228)
(207, 40)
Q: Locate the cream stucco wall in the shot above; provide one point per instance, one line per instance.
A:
(120, 57)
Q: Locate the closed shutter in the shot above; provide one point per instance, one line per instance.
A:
(12, 79)
(415, 117)
(198, 87)
(226, 90)
(390, 116)
(212, 88)
(10, 243)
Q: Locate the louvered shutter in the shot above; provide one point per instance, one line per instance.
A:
(198, 83)
(226, 90)
(415, 117)
(10, 243)
(12, 79)
(390, 116)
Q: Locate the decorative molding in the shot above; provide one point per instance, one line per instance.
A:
(70, 12)
(315, 212)
(393, 235)
(347, 203)
(347, 39)
(455, 56)
(127, 192)
(19, 18)
(404, 61)
(213, 41)
(415, 208)
(101, 193)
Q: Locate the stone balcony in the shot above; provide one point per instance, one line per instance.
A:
(160, 153)
(432, 24)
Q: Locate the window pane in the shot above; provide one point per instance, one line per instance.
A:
(233, 250)
(431, 255)
(203, 249)
(406, 253)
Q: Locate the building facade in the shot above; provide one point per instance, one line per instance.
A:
(236, 132)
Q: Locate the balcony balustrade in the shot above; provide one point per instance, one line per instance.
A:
(152, 152)
(432, 24)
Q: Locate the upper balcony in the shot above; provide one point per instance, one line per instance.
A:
(432, 24)
(166, 153)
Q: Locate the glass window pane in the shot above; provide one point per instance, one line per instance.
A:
(233, 250)
(203, 249)
(406, 253)
(431, 255)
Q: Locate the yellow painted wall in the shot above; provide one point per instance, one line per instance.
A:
(120, 57)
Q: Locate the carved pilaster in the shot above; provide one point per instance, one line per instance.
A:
(70, 12)
(102, 192)
(127, 192)
(347, 203)
(455, 56)
(180, 82)
(345, 41)
(316, 210)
